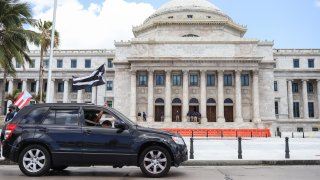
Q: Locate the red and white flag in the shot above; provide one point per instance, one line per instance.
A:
(23, 99)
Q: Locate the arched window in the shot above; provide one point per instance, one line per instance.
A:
(176, 101)
(194, 101)
(159, 101)
(228, 101)
(211, 101)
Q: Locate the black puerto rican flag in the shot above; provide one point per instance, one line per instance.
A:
(94, 79)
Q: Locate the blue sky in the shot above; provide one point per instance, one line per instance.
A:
(290, 23)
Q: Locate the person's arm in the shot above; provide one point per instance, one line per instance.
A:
(98, 117)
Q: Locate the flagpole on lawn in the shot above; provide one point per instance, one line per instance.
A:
(49, 93)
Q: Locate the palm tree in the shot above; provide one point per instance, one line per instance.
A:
(14, 95)
(14, 38)
(45, 28)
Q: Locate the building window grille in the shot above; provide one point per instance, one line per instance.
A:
(276, 106)
(310, 87)
(7, 87)
(73, 63)
(296, 63)
(190, 16)
(109, 85)
(59, 63)
(311, 63)
(32, 63)
(33, 87)
(159, 79)
(244, 79)
(18, 65)
(315, 129)
(296, 109)
(60, 87)
(299, 129)
(142, 79)
(46, 63)
(227, 79)
(211, 80)
(275, 85)
(109, 103)
(295, 87)
(88, 89)
(193, 80)
(176, 80)
(110, 64)
(19, 86)
(87, 63)
(311, 109)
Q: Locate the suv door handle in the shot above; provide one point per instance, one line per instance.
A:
(88, 131)
(43, 129)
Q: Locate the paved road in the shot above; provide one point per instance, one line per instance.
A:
(185, 173)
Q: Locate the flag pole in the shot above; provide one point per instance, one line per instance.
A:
(49, 93)
(96, 95)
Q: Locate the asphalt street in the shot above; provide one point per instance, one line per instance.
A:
(185, 173)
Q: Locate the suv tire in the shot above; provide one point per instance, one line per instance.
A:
(155, 161)
(34, 160)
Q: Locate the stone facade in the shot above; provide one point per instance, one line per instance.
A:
(191, 57)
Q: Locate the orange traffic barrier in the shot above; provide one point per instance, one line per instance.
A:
(220, 132)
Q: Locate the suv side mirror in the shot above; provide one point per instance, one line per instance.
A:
(119, 124)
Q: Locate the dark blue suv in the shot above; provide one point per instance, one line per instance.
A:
(54, 136)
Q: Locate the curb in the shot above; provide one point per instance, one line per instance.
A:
(229, 162)
(249, 162)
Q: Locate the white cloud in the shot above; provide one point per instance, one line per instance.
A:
(97, 26)
(318, 3)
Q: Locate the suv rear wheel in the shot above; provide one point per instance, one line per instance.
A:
(155, 161)
(34, 160)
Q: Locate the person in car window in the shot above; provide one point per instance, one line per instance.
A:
(107, 124)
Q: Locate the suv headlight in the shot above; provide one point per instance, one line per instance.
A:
(178, 140)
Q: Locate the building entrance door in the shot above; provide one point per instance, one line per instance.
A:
(159, 113)
(176, 113)
(228, 113)
(211, 114)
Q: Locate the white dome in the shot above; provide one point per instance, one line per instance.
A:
(175, 5)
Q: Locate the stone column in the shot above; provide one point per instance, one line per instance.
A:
(10, 90)
(24, 84)
(203, 97)
(305, 99)
(94, 94)
(167, 106)
(37, 87)
(10, 86)
(290, 100)
(80, 96)
(52, 91)
(255, 99)
(220, 105)
(185, 95)
(238, 107)
(150, 111)
(133, 95)
(65, 90)
(318, 95)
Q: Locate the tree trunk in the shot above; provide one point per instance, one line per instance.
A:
(3, 91)
(40, 90)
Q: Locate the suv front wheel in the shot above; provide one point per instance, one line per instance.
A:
(34, 160)
(155, 161)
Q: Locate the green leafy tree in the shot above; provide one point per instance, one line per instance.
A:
(45, 28)
(14, 38)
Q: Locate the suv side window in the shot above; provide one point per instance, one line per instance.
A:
(91, 117)
(62, 117)
(35, 116)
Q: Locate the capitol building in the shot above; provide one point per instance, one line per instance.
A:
(189, 56)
